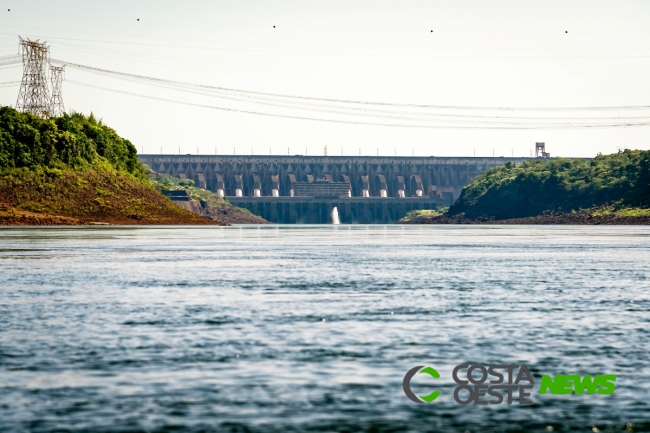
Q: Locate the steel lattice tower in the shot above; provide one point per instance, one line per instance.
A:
(56, 75)
(34, 96)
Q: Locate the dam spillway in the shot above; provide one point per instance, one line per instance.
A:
(305, 189)
(320, 210)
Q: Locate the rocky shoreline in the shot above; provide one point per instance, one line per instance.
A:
(578, 218)
(10, 216)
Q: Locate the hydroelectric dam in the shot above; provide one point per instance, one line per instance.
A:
(306, 189)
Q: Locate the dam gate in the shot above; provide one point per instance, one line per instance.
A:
(305, 189)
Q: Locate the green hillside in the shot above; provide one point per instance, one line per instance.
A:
(558, 185)
(75, 170)
(73, 141)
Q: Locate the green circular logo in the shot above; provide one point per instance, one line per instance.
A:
(406, 383)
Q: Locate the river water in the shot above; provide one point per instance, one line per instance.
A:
(312, 328)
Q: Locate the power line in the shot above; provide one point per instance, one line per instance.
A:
(167, 37)
(613, 125)
(348, 101)
(335, 53)
(270, 43)
(13, 59)
(369, 112)
(351, 73)
(364, 110)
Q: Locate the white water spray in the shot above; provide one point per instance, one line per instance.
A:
(335, 216)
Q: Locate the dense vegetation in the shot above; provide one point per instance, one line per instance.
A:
(75, 168)
(74, 141)
(562, 185)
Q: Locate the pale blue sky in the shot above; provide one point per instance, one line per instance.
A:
(470, 53)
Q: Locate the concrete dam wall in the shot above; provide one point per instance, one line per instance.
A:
(305, 189)
(317, 210)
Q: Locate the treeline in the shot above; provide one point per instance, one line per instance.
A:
(73, 140)
(564, 185)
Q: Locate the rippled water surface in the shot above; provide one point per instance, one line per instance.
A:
(312, 328)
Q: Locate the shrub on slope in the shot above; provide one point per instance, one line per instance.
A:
(89, 196)
(528, 189)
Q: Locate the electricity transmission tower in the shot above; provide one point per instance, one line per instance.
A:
(34, 96)
(56, 75)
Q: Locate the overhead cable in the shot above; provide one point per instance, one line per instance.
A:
(398, 125)
(349, 101)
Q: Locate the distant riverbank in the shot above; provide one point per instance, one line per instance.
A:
(583, 217)
(609, 189)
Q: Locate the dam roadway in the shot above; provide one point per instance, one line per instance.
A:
(305, 189)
